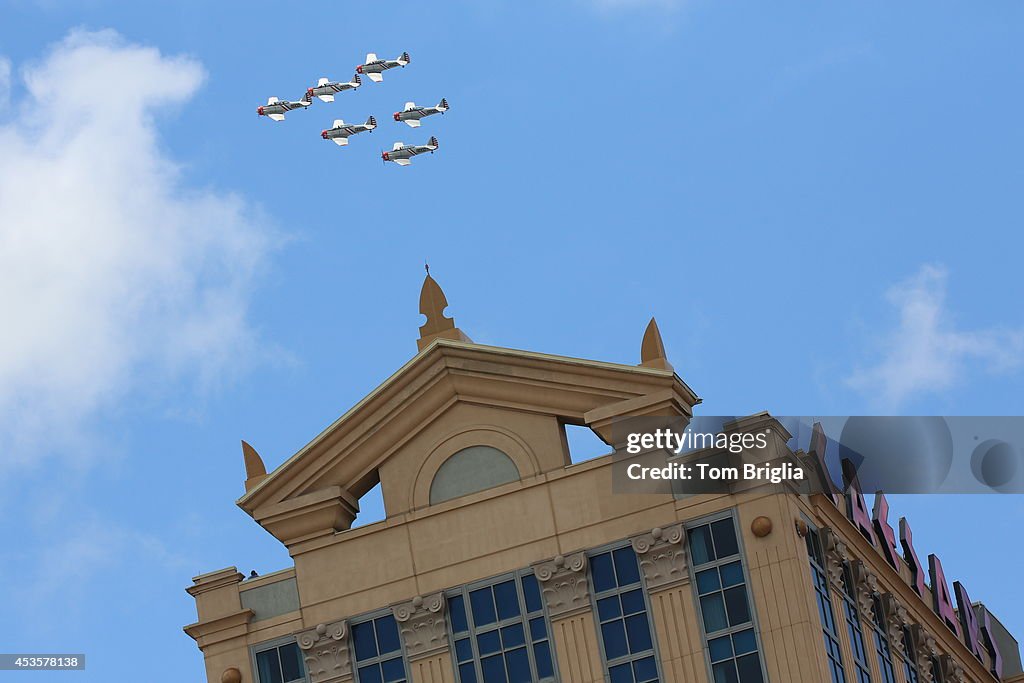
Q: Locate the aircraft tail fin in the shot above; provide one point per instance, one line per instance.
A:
(357, 80)
(432, 142)
(308, 97)
(371, 122)
(443, 104)
(404, 59)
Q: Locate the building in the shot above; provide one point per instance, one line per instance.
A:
(500, 561)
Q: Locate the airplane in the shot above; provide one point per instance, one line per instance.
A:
(400, 153)
(341, 130)
(275, 108)
(325, 89)
(373, 66)
(412, 114)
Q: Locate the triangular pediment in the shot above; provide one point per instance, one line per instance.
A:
(451, 388)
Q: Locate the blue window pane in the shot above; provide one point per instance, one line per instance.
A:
(291, 662)
(750, 669)
(608, 608)
(482, 604)
(633, 602)
(725, 672)
(623, 673)
(614, 640)
(365, 642)
(531, 591)
(488, 642)
(707, 581)
(393, 670)
(387, 635)
(736, 605)
(724, 533)
(517, 662)
(494, 669)
(457, 612)
(713, 610)
(602, 573)
(732, 574)
(463, 650)
(467, 673)
(269, 666)
(507, 599)
(626, 568)
(720, 648)
(645, 670)
(542, 655)
(370, 674)
(512, 636)
(638, 633)
(701, 550)
(538, 629)
(744, 642)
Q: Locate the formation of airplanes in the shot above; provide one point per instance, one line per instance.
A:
(339, 133)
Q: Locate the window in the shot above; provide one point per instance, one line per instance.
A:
(724, 601)
(821, 591)
(499, 632)
(860, 658)
(377, 650)
(621, 609)
(279, 663)
(882, 649)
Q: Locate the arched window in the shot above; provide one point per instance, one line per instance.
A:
(472, 469)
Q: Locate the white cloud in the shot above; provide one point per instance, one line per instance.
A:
(926, 353)
(114, 274)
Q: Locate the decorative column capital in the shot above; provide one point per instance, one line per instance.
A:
(925, 648)
(866, 584)
(563, 583)
(896, 618)
(662, 556)
(836, 555)
(325, 652)
(421, 621)
(951, 670)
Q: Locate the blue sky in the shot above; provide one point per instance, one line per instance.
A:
(820, 204)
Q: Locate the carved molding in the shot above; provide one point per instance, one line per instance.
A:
(662, 556)
(896, 617)
(422, 624)
(925, 648)
(952, 672)
(563, 582)
(866, 584)
(325, 652)
(836, 554)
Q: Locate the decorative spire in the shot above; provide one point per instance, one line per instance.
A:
(255, 470)
(652, 349)
(432, 305)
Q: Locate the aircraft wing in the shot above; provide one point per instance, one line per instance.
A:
(340, 141)
(370, 57)
(272, 100)
(397, 146)
(375, 77)
(412, 123)
(409, 105)
(402, 162)
(276, 117)
(325, 98)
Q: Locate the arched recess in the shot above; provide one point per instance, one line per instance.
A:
(472, 469)
(477, 435)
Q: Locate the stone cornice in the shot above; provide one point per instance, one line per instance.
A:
(234, 625)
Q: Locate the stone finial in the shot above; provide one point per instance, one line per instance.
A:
(432, 305)
(652, 349)
(421, 622)
(563, 583)
(255, 470)
(325, 652)
(662, 556)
